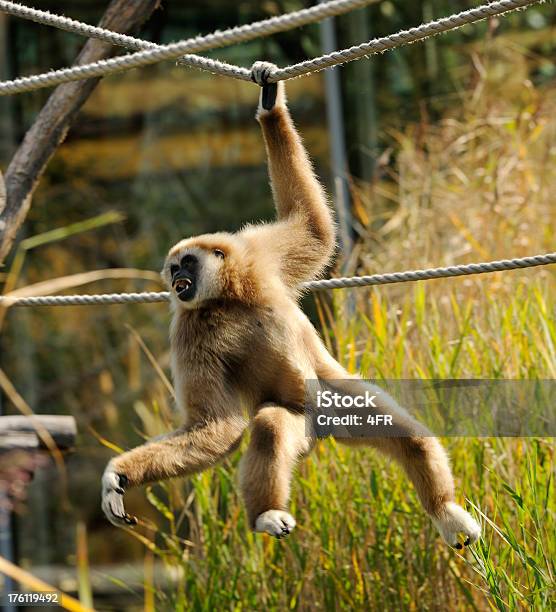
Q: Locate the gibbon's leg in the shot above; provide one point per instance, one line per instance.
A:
(421, 455)
(278, 440)
(305, 232)
(180, 453)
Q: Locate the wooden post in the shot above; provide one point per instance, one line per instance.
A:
(19, 432)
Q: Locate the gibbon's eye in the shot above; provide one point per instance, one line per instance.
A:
(173, 269)
(219, 253)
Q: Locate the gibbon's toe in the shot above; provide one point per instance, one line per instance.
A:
(453, 521)
(275, 522)
(113, 488)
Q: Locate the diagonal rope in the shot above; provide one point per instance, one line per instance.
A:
(237, 34)
(247, 32)
(333, 283)
(402, 38)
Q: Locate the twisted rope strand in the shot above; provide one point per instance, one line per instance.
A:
(253, 30)
(71, 25)
(333, 283)
(431, 273)
(88, 300)
(237, 34)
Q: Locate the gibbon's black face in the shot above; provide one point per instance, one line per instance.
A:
(197, 269)
(184, 277)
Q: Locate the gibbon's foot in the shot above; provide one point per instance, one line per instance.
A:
(272, 94)
(113, 489)
(275, 522)
(452, 521)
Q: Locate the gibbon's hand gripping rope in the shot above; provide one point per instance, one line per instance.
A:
(239, 34)
(333, 283)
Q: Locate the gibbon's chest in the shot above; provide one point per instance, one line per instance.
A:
(254, 351)
(237, 345)
(224, 339)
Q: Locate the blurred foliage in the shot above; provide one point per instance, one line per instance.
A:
(452, 151)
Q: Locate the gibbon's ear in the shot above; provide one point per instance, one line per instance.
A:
(272, 94)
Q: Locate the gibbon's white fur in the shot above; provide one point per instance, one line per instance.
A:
(241, 344)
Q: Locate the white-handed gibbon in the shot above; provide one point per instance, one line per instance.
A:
(240, 345)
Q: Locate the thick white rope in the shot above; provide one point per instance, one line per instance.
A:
(237, 34)
(250, 31)
(333, 283)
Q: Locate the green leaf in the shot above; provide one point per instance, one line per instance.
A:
(159, 505)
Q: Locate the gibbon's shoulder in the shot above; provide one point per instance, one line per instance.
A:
(263, 244)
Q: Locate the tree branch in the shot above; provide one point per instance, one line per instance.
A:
(54, 120)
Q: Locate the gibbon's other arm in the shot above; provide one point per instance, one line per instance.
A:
(304, 234)
(181, 453)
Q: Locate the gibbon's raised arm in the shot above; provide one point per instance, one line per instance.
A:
(305, 232)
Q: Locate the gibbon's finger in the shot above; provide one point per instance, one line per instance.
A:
(260, 71)
(113, 508)
(113, 488)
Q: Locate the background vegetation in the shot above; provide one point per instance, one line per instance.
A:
(452, 152)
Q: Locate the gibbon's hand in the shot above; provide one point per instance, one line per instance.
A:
(113, 489)
(272, 94)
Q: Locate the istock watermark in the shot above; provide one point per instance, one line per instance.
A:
(329, 399)
(354, 408)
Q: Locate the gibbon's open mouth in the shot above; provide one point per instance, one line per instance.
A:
(184, 286)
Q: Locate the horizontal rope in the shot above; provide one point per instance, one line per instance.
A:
(333, 283)
(147, 297)
(230, 36)
(502, 265)
(250, 31)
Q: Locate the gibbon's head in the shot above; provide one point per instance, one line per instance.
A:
(204, 268)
